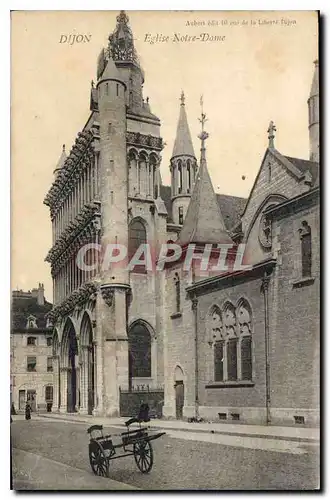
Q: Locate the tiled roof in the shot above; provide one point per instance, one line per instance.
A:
(231, 208)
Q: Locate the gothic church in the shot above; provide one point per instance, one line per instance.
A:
(230, 346)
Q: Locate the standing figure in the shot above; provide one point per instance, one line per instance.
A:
(27, 411)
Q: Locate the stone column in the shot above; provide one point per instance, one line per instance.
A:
(184, 177)
(154, 355)
(64, 390)
(98, 372)
(55, 407)
(84, 380)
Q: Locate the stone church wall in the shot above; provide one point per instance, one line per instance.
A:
(248, 402)
(295, 324)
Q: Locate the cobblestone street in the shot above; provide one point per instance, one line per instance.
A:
(185, 462)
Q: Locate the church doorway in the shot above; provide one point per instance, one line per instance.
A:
(88, 362)
(72, 370)
(179, 392)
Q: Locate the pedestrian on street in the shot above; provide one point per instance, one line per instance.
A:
(27, 411)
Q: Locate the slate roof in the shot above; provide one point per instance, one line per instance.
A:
(231, 206)
(305, 165)
(23, 307)
(204, 222)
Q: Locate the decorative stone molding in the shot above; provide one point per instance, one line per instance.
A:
(81, 155)
(107, 295)
(118, 50)
(265, 282)
(194, 304)
(142, 140)
(265, 232)
(305, 229)
(82, 230)
(78, 297)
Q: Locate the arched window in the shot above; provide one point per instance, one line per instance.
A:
(180, 176)
(189, 176)
(306, 249)
(139, 348)
(215, 337)
(244, 322)
(153, 176)
(137, 236)
(142, 175)
(231, 334)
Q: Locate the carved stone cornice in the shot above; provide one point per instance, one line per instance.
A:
(108, 294)
(81, 155)
(85, 225)
(194, 304)
(84, 293)
(265, 283)
(146, 141)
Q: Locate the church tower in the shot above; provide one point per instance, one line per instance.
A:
(183, 167)
(113, 179)
(313, 116)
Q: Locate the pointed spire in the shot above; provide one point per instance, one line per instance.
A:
(204, 222)
(61, 161)
(315, 82)
(111, 72)
(121, 41)
(183, 144)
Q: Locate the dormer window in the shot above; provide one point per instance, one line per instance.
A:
(31, 322)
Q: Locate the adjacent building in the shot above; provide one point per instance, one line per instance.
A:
(228, 345)
(31, 354)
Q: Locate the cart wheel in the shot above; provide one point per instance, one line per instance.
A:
(98, 459)
(144, 456)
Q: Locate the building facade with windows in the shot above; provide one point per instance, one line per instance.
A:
(31, 355)
(229, 345)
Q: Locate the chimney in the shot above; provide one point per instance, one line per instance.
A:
(41, 296)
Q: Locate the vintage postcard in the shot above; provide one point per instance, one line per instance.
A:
(165, 250)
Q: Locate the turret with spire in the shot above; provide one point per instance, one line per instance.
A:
(61, 161)
(313, 116)
(204, 222)
(183, 167)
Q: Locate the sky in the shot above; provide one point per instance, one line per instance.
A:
(260, 70)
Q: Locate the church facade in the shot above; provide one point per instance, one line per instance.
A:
(230, 345)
